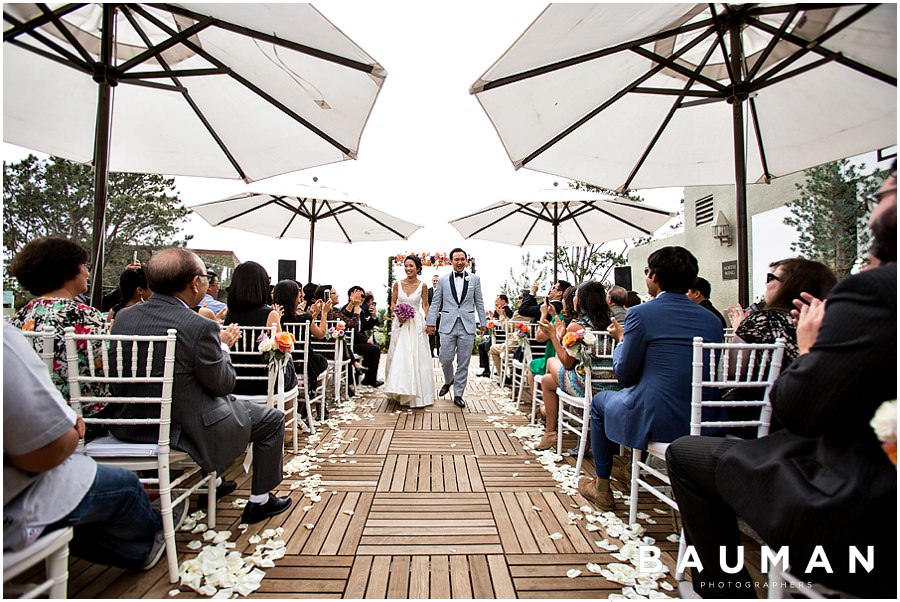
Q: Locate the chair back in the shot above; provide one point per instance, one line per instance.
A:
(123, 360)
(300, 330)
(734, 366)
(499, 333)
(728, 335)
(601, 372)
(42, 341)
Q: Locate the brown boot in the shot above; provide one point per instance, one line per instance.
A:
(598, 492)
(548, 441)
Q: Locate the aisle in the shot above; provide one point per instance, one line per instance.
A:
(429, 503)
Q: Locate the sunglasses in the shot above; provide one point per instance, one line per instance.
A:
(873, 200)
(770, 277)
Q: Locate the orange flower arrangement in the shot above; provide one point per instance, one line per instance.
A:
(285, 341)
(28, 326)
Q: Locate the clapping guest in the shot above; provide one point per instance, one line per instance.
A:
(133, 289)
(784, 283)
(353, 317)
(248, 298)
(502, 312)
(56, 270)
(288, 295)
(309, 295)
(563, 370)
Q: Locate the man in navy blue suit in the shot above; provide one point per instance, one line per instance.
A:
(653, 362)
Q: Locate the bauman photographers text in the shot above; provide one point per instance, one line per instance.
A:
(649, 562)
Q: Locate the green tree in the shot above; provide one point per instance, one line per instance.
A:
(830, 214)
(55, 197)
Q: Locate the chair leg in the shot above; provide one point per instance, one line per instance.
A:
(211, 500)
(165, 501)
(295, 417)
(635, 471)
(682, 548)
(582, 446)
(559, 422)
(57, 568)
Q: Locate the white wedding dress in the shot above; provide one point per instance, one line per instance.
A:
(409, 373)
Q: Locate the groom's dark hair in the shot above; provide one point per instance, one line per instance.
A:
(458, 250)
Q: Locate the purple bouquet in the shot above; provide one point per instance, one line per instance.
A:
(404, 312)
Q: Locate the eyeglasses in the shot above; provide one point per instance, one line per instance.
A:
(87, 265)
(646, 271)
(873, 200)
(202, 276)
(770, 277)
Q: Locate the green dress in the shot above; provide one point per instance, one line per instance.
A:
(539, 366)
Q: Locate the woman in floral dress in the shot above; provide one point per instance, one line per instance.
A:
(55, 271)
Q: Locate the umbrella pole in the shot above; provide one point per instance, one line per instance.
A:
(101, 153)
(312, 240)
(555, 250)
(740, 170)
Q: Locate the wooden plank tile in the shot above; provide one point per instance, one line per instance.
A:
(359, 577)
(460, 586)
(398, 583)
(419, 577)
(435, 442)
(378, 579)
(440, 577)
(481, 579)
(500, 577)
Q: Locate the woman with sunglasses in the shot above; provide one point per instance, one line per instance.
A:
(785, 281)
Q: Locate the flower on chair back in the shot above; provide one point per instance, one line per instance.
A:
(277, 350)
(579, 344)
(884, 423)
(336, 331)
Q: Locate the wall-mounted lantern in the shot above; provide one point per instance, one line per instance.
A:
(722, 230)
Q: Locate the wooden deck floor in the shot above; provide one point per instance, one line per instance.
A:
(426, 503)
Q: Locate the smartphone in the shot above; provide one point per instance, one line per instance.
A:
(326, 294)
(134, 257)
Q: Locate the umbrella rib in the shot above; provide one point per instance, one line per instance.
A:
(288, 225)
(671, 64)
(761, 85)
(172, 40)
(19, 27)
(639, 207)
(722, 29)
(537, 218)
(344, 207)
(590, 56)
(57, 22)
(759, 140)
(252, 87)
(356, 207)
(64, 54)
(52, 57)
(815, 45)
(665, 122)
(283, 201)
(495, 222)
(334, 215)
(615, 98)
(245, 212)
(258, 35)
(621, 219)
(674, 92)
(773, 43)
(187, 97)
(572, 216)
(173, 73)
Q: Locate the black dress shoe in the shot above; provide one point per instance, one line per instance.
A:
(254, 513)
(225, 488)
(377, 383)
(444, 390)
(459, 402)
(485, 374)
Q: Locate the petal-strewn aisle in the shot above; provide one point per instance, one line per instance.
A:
(428, 503)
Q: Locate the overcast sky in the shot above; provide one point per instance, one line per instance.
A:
(428, 154)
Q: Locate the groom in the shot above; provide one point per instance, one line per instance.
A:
(458, 298)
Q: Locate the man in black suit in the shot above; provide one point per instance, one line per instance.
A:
(502, 312)
(824, 479)
(699, 293)
(434, 340)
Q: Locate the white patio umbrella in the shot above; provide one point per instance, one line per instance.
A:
(244, 91)
(308, 212)
(562, 216)
(633, 96)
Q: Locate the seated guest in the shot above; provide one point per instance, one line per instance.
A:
(211, 299)
(653, 362)
(563, 370)
(538, 366)
(555, 294)
(248, 305)
(496, 352)
(434, 339)
(784, 283)
(824, 479)
(528, 305)
(133, 289)
(369, 308)
(502, 312)
(289, 296)
(358, 323)
(632, 299)
(207, 422)
(309, 295)
(56, 270)
(46, 486)
(699, 293)
(617, 298)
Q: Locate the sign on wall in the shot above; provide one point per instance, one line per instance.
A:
(729, 270)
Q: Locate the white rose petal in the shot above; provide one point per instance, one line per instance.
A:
(194, 544)
(666, 586)
(209, 535)
(673, 537)
(310, 526)
(348, 512)
(572, 573)
(591, 527)
(174, 592)
(555, 536)
(199, 528)
(659, 511)
(594, 567)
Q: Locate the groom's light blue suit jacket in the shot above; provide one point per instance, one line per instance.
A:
(457, 298)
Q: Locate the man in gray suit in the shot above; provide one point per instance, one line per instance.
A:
(207, 423)
(457, 297)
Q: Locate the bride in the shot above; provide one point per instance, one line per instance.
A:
(409, 374)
